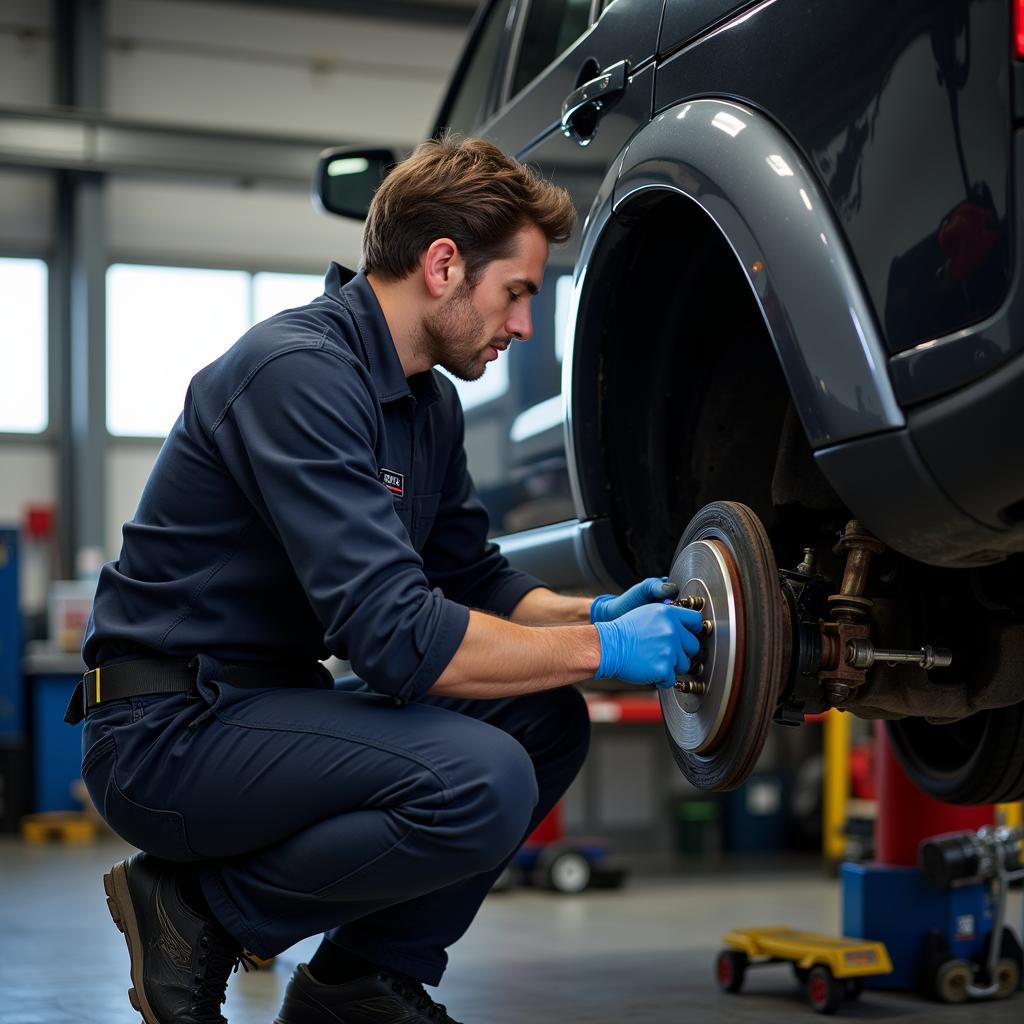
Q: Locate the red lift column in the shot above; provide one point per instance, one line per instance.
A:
(906, 815)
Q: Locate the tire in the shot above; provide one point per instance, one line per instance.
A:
(1007, 978)
(731, 969)
(800, 973)
(824, 992)
(935, 951)
(952, 980)
(567, 872)
(1010, 951)
(853, 989)
(978, 760)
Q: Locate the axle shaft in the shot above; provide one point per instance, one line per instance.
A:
(864, 654)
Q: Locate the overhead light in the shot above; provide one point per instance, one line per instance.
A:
(347, 165)
(779, 166)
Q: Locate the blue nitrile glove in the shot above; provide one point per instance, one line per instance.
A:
(651, 644)
(654, 588)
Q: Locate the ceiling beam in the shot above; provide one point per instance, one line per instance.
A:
(67, 139)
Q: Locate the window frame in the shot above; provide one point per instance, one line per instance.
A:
(48, 435)
(506, 96)
(138, 259)
(494, 88)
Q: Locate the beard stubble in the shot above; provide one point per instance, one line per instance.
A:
(452, 336)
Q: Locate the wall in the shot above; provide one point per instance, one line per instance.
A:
(27, 476)
(273, 69)
(26, 54)
(259, 68)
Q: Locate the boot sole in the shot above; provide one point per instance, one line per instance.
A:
(122, 912)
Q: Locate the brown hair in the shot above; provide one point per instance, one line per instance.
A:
(467, 190)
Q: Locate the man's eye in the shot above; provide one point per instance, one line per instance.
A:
(513, 295)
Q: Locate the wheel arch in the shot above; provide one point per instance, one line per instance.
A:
(750, 180)
(746, 193)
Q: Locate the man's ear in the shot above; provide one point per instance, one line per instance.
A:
(443, 268)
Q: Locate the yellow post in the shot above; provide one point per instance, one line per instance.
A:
(1010, 815)
(837, 725)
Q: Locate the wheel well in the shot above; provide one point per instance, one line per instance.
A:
(691, 405)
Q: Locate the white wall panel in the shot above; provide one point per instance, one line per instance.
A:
(273, 70)
(26, 211)
(27, 476)
(26, 53)
(25, 12)
(229, 226)
(286, 29)
(128, 467)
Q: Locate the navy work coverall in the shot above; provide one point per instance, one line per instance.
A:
(312, 500)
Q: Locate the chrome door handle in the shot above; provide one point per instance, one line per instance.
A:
(583, 107)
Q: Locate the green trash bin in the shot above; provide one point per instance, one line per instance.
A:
(698, 831)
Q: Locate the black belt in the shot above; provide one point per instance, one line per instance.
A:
(144, 676)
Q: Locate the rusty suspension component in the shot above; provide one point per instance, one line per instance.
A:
(849, 609)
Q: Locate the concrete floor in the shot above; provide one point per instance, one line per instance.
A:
(642, 954)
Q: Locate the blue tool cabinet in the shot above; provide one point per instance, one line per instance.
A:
(12, 711)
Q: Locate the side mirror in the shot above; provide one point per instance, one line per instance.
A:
(346, 179)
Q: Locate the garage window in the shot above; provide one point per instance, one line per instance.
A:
(273, 292)
(164, 324)
(23, 382)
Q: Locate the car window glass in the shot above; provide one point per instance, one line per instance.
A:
(469, 108)
(551, 27)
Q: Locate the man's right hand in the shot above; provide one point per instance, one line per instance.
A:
(651, 644)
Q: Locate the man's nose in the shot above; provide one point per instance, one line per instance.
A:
(520, 325)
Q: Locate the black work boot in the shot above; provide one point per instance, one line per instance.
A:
(382, 998)
(180, 960)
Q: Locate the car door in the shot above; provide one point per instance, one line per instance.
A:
(527, 59)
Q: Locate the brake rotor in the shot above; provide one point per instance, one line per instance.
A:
(717, 730)
(705, 569)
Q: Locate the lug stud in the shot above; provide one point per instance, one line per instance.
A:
(693, 687)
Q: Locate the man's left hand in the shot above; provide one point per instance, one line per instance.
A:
(655, 588)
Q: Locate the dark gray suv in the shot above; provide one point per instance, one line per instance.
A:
(797, 286)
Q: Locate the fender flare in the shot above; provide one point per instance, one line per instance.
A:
(753, 184)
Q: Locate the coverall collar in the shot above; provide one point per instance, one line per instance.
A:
(353, 290)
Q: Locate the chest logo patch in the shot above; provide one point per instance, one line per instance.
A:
(394, 482)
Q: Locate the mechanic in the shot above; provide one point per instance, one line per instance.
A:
(313, 498)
